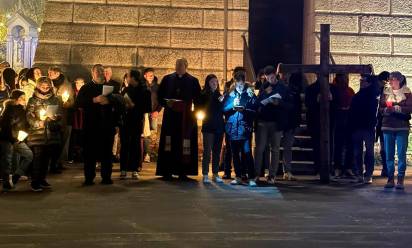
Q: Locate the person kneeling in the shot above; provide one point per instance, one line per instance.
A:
(13, 125)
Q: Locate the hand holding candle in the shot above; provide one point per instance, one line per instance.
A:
(65, 96)
(43, 115)
(21, 136)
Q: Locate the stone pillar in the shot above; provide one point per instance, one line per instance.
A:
(27, 52)
(9, 47)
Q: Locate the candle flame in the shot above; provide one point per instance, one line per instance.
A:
(21, 136)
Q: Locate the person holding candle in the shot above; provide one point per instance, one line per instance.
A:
(210, 102)
(13, 131)
(64, 90)
(396, 107)
(240, 109)
(32, 75)
(44, 114)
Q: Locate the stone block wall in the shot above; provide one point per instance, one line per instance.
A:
(141, 33)
(377, 32)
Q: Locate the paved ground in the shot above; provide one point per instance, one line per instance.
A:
(154, 213)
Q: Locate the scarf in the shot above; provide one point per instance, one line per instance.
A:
(396, 96)
(43, 95)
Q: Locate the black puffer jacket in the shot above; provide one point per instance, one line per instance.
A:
(13, 119)
(50, 132)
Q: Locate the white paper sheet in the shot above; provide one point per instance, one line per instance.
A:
(107, 90)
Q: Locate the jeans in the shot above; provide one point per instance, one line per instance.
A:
(8, 151)
(360, 138)
(401, 139)
(267, 133)
(287, 143)
(242, 158)
(212, 143)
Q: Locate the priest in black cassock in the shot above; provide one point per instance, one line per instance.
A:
(178, 152)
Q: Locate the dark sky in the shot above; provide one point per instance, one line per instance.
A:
(276, 31)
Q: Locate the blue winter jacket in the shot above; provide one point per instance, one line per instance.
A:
(239, 125)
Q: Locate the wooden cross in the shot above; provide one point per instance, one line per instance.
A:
(324, 70)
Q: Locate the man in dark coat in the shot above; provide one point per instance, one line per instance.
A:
(312, 102)
(101, 117)
(178, 139)
(138, 102)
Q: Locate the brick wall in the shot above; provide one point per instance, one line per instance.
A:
(128, 33)
(377, 32)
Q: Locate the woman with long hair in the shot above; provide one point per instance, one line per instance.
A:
(210, 109)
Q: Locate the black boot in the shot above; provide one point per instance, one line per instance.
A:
(390, 184)
(15, 179)
(400, 183)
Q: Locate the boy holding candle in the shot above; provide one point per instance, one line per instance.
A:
(13, 128)
(45, 131)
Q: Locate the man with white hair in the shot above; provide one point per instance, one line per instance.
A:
(178, 139)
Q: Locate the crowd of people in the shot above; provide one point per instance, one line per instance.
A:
(47, 121)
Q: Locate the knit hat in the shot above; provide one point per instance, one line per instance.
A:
(16, 94)
(44, 80)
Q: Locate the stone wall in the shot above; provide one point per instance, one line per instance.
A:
(141, 33)
(377, 32)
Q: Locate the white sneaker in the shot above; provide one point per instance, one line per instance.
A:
(368, 180)
(236, 181)
(217, 179)
(271, 180)
(147, 158)
(252, 183)
(123, 175)
(206, 179)
(135, 175)
(288, 176)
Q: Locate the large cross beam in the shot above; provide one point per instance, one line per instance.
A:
(324, 69)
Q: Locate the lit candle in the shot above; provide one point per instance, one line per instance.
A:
(200, 115)
(43, 113)
(21, 136)
(65, 96)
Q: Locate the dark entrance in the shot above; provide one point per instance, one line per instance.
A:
(275, 32)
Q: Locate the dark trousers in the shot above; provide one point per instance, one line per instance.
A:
(343, 151)
(383, 154)
(130, 149)
(242, 158)
(365, 138)
(43, 157)
(98, 148)
(227, 156)
(75, 147)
